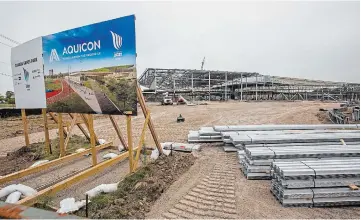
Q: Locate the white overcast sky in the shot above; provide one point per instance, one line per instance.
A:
(316, 40)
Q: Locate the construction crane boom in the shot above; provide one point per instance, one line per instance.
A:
(204, 60)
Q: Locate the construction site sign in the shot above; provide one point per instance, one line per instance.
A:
(28, 76)
(92, 69)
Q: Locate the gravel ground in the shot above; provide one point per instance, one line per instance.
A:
(214, 187)
(252, 199)
(220, 113)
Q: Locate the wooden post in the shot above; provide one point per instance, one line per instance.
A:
(56, 121)
(61, 135)
(46, 131)
(87, 125)
(130, 142)
(150, 123)
(92, 139)
(25, 124)
(141, 140)
(119, 133)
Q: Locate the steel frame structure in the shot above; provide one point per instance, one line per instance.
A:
(215, 85)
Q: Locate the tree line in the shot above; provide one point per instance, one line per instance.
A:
(8, 98)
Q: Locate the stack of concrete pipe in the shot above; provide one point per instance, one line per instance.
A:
(332, 182)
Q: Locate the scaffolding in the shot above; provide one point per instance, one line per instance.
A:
(225, 85)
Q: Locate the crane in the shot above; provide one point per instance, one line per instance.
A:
(204, 60)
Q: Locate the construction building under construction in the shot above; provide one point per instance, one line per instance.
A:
(225, 85)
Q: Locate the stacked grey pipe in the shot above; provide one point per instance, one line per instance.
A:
(316, 183)
(256, 161)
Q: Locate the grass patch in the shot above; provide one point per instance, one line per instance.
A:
(51, 85)
(75, 142)
(6, 105)
(111, 69)
(121, 91)
(73, 103)
(87, 84)
(138, 191)
(44, 203)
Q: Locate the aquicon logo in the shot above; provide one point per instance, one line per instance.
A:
(26, 75)
(117, 40)
(53, 56)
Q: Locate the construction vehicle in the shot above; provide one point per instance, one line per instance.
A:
(167, 100)
(181, 101)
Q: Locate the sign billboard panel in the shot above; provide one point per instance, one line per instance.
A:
(91, 69)
(28, 76)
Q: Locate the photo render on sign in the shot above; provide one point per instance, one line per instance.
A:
(28, 76)
(92, 69)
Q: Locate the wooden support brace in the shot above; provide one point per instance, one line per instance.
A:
(141, 141)
(119, 133)
(25, 125)
(56, 121)
(150, 123)
(61, 135)
(86, 122)
(92, 139)
(44, 166)
(130, 142)
(70, 131)
(81, 128)
(30, 200)
(46, 131)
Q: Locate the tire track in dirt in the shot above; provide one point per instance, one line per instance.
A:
(213, 196)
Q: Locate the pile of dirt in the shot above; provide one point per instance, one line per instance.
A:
(26, 156)
(138, 191)
(18, 160)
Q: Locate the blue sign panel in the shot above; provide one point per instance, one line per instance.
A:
(91, 69)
